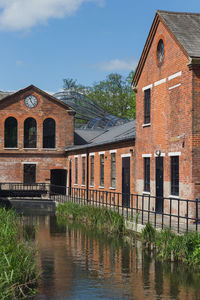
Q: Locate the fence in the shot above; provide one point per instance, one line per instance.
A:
(23, 191)
(179, 214)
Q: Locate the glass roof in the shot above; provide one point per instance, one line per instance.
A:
(86, 109)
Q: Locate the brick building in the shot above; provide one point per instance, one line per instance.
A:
(167, 82)
(103, 160)
(159, 155)
(35, 129)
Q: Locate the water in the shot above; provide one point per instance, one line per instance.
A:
(79, 264)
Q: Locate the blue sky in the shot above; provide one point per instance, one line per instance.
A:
(44, 41)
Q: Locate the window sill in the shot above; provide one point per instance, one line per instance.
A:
(146, 125)
(83, 185)
(30, 148)
(91, 186)
(49, 149)
(112, 188)
(11, 148)
(76, 184)
(101, 187)
(174, 196)
(146, 193)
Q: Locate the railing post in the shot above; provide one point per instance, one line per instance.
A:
(142, 209)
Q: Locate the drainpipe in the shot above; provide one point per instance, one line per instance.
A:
(87, 178)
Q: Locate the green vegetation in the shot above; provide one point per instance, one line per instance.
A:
(98, 218)
(114, 94)
(18, 274)
(172, 247)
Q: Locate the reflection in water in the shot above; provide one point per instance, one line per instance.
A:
(81, 264)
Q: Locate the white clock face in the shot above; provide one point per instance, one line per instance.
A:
(31, 101)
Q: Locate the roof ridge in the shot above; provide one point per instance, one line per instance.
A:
(176, 13)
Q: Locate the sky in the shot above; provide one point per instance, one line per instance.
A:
(45, 41)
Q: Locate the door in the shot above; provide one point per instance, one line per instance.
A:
(126, 181)
(159, 184)
(29, 173)
(58, 181)
(70, 177)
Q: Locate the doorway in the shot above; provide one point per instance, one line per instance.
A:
(29, 173)
(159, 184)
(126, 181)
(58, 181)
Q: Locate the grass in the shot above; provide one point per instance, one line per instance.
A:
(99, 218)
(18, 273)
(172, 247)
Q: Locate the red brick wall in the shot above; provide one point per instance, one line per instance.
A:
(11, 164)
(196, 130)
(171, 119)
(121, 148)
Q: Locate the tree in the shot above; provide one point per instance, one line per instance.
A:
(114, 94)
(71, 84)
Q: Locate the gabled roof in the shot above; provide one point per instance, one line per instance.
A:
(185, 29)
(112, 135)
(41, 92)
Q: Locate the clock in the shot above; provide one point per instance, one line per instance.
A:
(31, 101)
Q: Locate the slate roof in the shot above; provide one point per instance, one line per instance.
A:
(186, 28)
(114, 134)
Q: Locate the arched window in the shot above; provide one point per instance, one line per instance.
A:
(30, 133)
(10, 133)
(49, 137)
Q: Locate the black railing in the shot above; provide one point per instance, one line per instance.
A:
(179, 214)
(23, 190)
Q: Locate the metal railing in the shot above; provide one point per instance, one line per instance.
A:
(179, 214)
(22, 190)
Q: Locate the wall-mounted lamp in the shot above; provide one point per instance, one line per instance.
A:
(157, 153)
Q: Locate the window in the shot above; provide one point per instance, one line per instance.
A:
(147, 106)
(29, 173)
(160, 52)
(147, 174)
(83, 170)
(101, 169)
(30, 133)
(91, 170)
(175, 175)
(113, 170)
(76, 170)
(10, 133)
(49, 126)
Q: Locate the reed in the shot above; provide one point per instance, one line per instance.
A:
(18, 272)
(99, 218)
(170, 246)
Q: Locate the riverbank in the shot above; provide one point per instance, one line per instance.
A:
(99, 218)
(18, 271)
(167, 245)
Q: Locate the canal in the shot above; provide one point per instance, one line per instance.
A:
(76, 263)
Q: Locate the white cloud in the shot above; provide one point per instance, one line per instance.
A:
(117, 65)
(24, 14)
